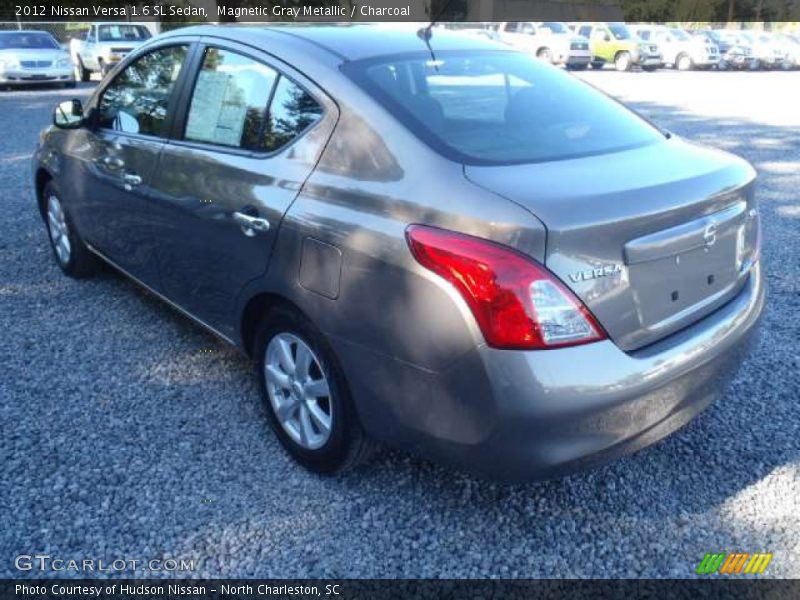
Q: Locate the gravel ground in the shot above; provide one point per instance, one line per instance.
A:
(125, 437)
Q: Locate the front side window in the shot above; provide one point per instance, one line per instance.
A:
(292, 111)
(498, 107)
(620, 31)
(555, 27)
(680, 35)
(136, 101)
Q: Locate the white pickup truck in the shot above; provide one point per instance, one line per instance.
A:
(103, 45)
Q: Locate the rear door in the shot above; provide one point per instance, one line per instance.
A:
(119, 154)
(250, 133)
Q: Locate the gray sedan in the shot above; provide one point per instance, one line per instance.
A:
(424, 239)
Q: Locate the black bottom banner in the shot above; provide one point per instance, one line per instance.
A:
(347, 589)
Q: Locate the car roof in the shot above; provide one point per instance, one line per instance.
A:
(347, 42)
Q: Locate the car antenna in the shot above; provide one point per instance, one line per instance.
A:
(426, 33)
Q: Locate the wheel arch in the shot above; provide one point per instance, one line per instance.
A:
(43, 176)
(254, 310)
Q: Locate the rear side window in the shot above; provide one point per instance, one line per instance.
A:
(292, 111)
(498, 107)
(229, 101)
(242, 103)
(136, 101)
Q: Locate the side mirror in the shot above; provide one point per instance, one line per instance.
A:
(606, 37)
(68, 115)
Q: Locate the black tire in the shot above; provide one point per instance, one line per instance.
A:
(545, 55)
(598, 64)
(684, 62)
(82, 72)
(81, 263)
(649, 69)
(347, 444)
(623, 61)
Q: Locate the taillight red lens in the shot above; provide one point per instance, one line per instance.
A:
(517, 302)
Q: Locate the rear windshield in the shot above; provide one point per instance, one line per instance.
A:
(27, 40)
(122, 33)
(499, 107)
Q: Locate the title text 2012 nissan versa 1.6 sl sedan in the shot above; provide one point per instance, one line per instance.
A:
(432, 241)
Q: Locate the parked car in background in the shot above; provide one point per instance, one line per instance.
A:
(589, 286)
(550, 41)
(485, 31)
(790, 49)
(735, 52)
(765, 49)
(103, 45)
(31, 57)
(678, 48)
(615, 43)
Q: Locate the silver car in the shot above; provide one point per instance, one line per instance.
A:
(424, 239)
(33, 57)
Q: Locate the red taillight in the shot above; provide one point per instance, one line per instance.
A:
(517, 302)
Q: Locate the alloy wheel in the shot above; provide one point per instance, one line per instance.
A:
(59, 232)
(298, 391)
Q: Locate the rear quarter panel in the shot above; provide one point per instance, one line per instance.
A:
(373, 180)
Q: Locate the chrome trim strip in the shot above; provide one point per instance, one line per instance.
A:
(163, 298)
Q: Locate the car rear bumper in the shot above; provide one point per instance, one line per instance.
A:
(513, 415)
(578, 58)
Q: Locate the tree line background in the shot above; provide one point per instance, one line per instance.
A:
(768, 14)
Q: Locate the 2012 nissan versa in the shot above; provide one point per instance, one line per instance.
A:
(433, 241)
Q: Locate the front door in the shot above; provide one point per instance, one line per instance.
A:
(121, 151)
(249, 138)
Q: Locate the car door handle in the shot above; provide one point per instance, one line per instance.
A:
(131, 178)
(250, 225)
(113, 162)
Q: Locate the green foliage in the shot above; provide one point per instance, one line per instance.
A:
(710, 10)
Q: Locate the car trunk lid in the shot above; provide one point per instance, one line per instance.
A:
(650, 239)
